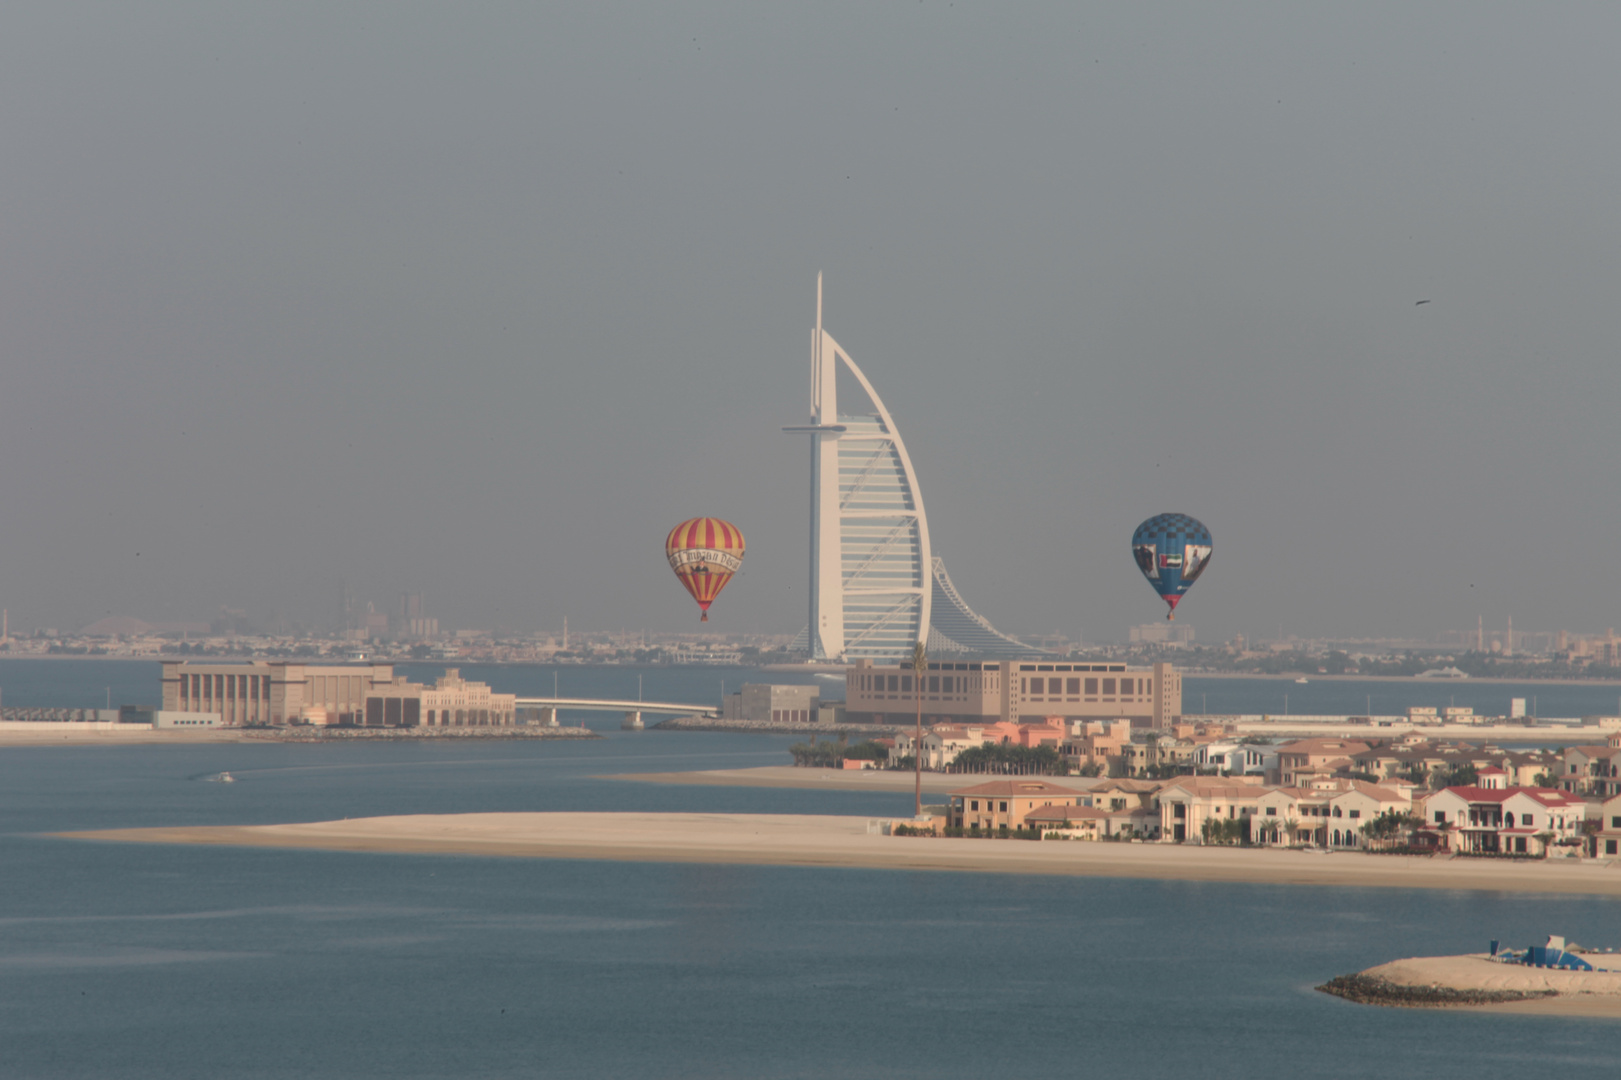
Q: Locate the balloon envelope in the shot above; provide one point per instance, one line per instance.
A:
(1171, 550)
(704, 553)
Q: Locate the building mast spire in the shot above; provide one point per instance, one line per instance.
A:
(813, 647)
(816, 355)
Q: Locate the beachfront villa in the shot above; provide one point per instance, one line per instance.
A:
(1332, 817)
(1004, 804)
(1512, 820)
(1608, 839)
(1305, 760)
(1069, 822)
(1592, 770)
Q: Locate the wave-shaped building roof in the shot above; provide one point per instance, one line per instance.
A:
(956, 627)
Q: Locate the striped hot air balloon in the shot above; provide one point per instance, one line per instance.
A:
(704, 553)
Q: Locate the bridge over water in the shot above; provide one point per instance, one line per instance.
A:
(548, 707)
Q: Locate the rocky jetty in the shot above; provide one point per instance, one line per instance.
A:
(1373, 990)
(766, 727)
(341, 734)
(1479, 979)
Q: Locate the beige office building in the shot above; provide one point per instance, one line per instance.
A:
(451, 702)
(272, 692)
(1015, 691)
(773, 703)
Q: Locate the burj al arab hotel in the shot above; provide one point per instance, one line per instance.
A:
(876, 587)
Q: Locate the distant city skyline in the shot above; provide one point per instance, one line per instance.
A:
(480, 308)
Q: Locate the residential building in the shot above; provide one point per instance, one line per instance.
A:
(1608, 839)
(1303, 760)
(1591, 770)
(1069, 821)
(1520, 821)
(943, 742)
(1150, 753)
(1237, 758)
(1189, 802)
(1132, 806)
(1330, 816)
(1095, 823)
(1124, 794)
(1097, 743)
(1005, 803)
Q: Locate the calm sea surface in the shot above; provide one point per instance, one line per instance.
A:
(144, 961)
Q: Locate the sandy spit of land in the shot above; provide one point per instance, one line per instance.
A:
(807, 840)
(1579, 993)
(1291, 676)
(73, 735)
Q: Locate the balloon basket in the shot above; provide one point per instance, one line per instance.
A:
(704, 617)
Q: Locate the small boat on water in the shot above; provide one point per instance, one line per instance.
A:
(225, 778)
(1302, 680)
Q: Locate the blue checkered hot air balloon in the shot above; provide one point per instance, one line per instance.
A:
(1171, 550)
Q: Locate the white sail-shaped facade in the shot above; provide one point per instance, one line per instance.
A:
(870, 586)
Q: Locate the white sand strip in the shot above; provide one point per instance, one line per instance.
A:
(806, 840)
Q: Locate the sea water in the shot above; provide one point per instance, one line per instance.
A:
(186, 961)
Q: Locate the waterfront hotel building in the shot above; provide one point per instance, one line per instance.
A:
(259, 692)
(270, 692)
(979, 692)
(876, 587)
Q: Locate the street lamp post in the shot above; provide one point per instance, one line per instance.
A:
(920, 664)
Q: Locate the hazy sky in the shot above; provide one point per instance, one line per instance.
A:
(480, 299)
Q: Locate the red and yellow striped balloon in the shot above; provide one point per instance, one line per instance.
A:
(704, 553)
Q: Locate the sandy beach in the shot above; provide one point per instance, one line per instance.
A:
(66, 734)
(112, 735)
(1574, 993)
(807, 840)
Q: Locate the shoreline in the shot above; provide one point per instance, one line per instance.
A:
(809, 777)
(857, 842)
(1189, 673)
(144, 735)
(1476, 983)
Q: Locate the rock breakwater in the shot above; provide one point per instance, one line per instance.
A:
(312, 735)
(766, 727)
(1374, 990)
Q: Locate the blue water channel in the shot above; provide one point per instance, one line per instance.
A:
(181, 961)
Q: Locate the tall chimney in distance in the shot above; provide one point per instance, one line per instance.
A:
(1508, 639)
